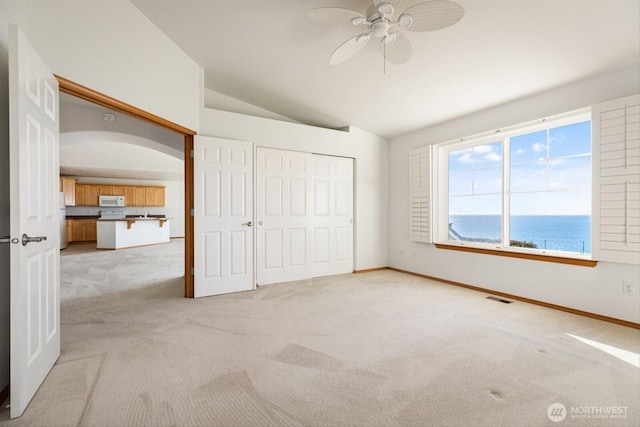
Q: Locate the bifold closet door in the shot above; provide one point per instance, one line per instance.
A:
(332, 235)
(283, 200)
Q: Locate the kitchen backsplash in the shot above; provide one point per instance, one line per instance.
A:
(95, 210)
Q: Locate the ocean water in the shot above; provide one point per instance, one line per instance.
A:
(569, 233)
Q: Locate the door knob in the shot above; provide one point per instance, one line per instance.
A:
(8, 239)
(260, 223)
(248, 224)
(26, 239)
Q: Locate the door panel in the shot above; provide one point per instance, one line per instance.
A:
(284, 180)
(332, 215)
(223, 211)
(34, 178)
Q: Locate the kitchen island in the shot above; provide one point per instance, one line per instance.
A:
(130, 232)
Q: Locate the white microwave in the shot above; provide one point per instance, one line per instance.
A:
(111, 201)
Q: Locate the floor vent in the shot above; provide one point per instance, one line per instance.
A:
(505, 301)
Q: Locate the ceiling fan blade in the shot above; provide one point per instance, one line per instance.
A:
(397, 4)
(434, 15)
(398, 51)
(347, 49)
(333, 15)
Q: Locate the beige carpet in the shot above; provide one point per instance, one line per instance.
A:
(376, 349)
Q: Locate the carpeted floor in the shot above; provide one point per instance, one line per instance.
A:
(375, 349)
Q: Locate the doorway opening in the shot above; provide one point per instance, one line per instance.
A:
(92, 96)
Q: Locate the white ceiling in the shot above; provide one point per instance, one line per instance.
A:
(269, 54)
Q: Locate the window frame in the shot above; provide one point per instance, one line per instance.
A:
(440, 196)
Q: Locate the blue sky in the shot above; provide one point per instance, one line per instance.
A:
(550, 174)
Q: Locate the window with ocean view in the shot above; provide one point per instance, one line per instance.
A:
(526, 189)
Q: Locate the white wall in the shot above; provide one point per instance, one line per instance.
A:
(217, 101)
(87, 117)
(110, 46)
(174, 201)
(597, 290)
(369, 152)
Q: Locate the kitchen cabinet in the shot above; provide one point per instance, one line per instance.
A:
(81, 230)
(87, 194)
(81, 194)
(154, 196)
(68, 187)
(68, 225)
(93, 195)
(117, 190)
(134, 195)
(111, 190)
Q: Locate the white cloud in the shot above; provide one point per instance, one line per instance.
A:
(493, 157)
(537, 147)
(483, 149)
(465, 157)
(520, 151)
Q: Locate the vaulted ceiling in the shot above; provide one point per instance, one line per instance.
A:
(269, 54)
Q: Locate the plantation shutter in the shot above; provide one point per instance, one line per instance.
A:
(616, 173)
(420, 194)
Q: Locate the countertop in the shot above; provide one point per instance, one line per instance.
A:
(128, 217)
(135, 218)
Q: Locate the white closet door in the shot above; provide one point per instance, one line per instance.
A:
(332, 215)
(284, 217)
(223, 215)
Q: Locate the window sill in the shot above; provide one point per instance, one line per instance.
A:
(535, 257)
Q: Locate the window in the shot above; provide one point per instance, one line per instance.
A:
(527, 189)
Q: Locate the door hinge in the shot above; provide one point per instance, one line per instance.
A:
(192, 212)
(191, 154)
(193, 271)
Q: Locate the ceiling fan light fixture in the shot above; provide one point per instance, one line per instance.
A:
(405, 20)
(358, 20)
(385, 8)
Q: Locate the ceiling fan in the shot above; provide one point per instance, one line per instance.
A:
(383, 22)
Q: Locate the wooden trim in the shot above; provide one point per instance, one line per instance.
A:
(535, 257)
(4, 393)
(527, 300)
(83, 92)
(188, 219)
(369, 270)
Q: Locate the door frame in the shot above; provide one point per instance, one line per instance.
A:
(69, 87)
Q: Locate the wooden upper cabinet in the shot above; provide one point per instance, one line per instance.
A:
(88, 194)
(68, 187)
(160, 197)
(117, 190)
(93, 195)
(154, 196)
(134, 195)
(81, 194)
(105, 190)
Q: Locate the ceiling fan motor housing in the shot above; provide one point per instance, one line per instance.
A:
(380, 28)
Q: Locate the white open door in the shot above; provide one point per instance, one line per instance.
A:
(223, 216)
(35, 262)
(332, 215)
(284, 216)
